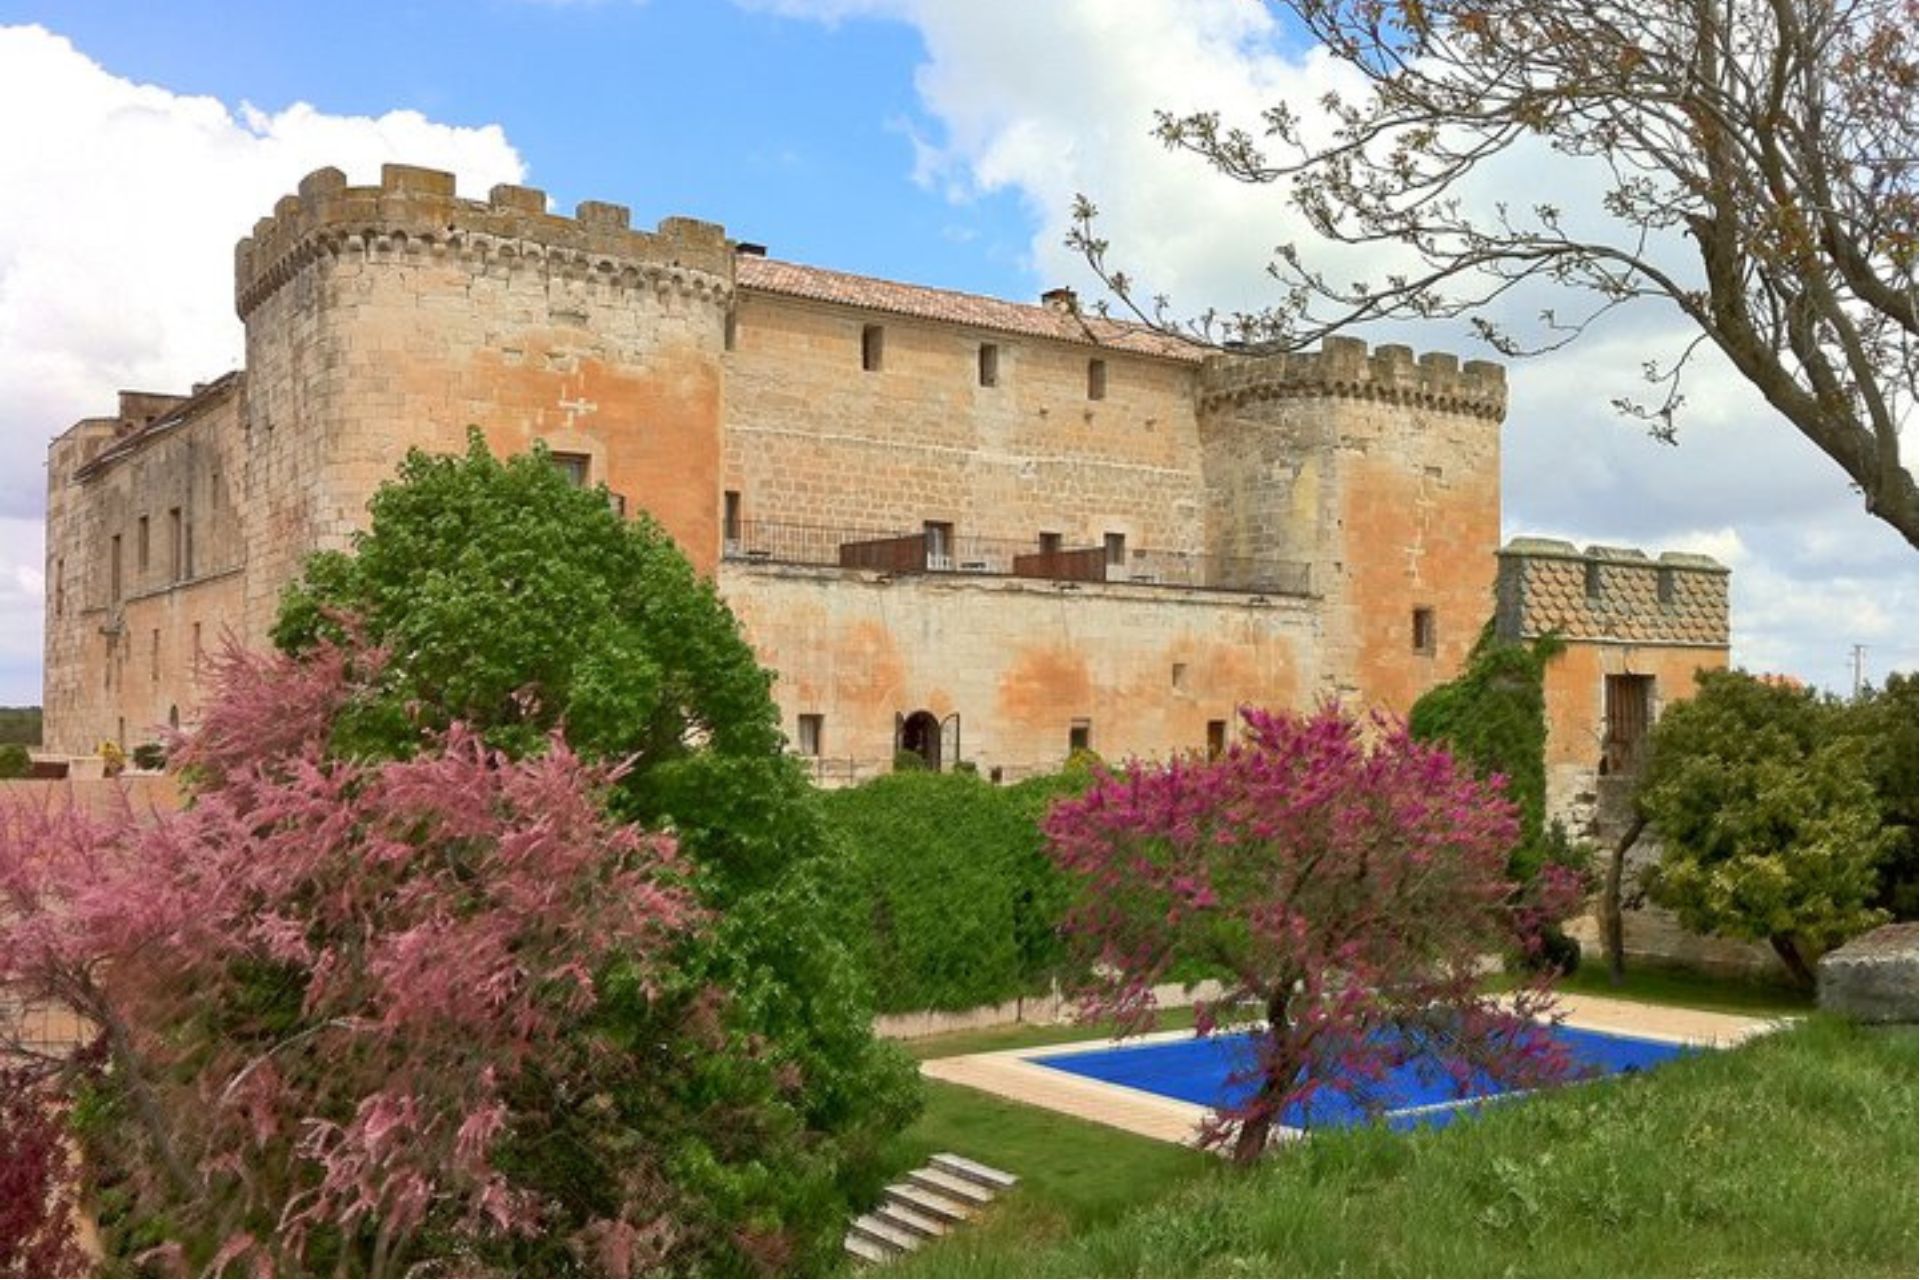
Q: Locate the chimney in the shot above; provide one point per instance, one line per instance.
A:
(1063, 300)
(748, 249)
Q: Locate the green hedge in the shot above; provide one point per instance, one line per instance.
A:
(960, 899)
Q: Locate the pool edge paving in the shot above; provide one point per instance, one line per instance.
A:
(1013, 1074)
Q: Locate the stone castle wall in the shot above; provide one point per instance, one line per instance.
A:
(383, 318)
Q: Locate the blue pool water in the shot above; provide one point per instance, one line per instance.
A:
(1199, 1071)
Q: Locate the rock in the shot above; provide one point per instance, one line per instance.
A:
(1875, 977)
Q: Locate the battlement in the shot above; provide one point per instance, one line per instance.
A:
(1344, 367)
(417, 211)
(1618, 594)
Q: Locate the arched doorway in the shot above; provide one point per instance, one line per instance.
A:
(920, 734)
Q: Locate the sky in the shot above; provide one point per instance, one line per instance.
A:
(934, 141)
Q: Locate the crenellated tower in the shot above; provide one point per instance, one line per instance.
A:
(384, 318)
(1382, 471)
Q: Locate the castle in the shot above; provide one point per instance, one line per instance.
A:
(967, 528)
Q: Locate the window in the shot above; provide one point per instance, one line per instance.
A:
(197, 651)
(213, 490)
(1216, 739)
(1593, 580)
(731, 334)
(1423, 630)
(873, 339)
(989, 364)
(811, 725)
(60, 587)
(576, 467)
(113, 570)
(730, 520)
(1179, 675)
(176, 545)
(1049, 543)
(1665, 586)
(186, 554)
(153, 656)
(1096, 379)
(1080, 736)
(1116, 550)
(939, 544)
(141, 545)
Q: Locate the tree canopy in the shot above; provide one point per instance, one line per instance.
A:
(1349, 892)
(1770, 827)
(1755, 171)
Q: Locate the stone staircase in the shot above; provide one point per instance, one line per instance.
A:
(924, 1206)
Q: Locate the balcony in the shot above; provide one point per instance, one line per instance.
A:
(940, 551)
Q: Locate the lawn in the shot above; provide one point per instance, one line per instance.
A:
(1795, 1154)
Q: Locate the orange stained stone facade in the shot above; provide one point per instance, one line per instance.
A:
(1020, 522)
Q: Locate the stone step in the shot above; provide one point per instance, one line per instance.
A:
(920, 1224)
(920, 1200)
(946, 1184)
(875, 1229)
(973, 1171)
(867, 1251)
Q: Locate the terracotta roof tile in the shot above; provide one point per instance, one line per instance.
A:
(770, 275)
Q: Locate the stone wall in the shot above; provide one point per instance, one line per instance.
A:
(1146, 668)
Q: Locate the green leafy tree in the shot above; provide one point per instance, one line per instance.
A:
(516, 603)
(15, 762)
(1887, 720)
(1770, 829)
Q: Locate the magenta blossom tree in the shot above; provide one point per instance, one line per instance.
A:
(1347, 890)
(363, 1018)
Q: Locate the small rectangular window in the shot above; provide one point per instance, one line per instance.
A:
(811, 725)
(1593, 580)
(939, 534)
(1116, 550)
(176, 546)
(142, 545)
(1179, 675)
(873, 339)
(730, 520)
(1423, 637)
(1049, 543)
(186, 551)
(1216, 739)
(576, 467)
(1080, 736)
(1665, 586)
(113, 569)
(1096, 379)
(989, 364)
(60, 587)
(198, 652)
(153, 656)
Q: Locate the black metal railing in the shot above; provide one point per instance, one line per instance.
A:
(959, 552)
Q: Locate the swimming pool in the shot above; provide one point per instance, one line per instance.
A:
(1199, 1071)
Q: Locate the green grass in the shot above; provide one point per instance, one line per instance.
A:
(1692, 990)
(1795, 1154)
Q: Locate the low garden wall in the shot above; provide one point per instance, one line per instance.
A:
(1052, 1009)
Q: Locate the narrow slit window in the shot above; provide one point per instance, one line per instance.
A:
(198, 651)
(60, 587)
(153, 656)
(811, 727)
(873, 342)
(989, 364)
(176, 545)
(730, 526)
(1216, 739)
(731, 335)
(113, 570)
(142, 544)
(1593, 580)
(1096, 379)
(1423, 633)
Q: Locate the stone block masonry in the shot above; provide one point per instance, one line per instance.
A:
(1135, 476)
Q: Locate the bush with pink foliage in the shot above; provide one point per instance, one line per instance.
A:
(1347, 885)
(366, 1017)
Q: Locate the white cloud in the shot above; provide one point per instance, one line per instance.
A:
(1052, 100)
(119, 210)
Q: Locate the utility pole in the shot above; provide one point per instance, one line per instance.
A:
(1859, 659)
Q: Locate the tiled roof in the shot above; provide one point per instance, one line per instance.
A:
(770, 275)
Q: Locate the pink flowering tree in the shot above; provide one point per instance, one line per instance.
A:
(360, 1018)
(1346, 891)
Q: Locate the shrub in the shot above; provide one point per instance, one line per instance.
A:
(15, 761)
(1349, 891)
(36, 1180)
(961, 904)
(1887, 720)
(149, 756)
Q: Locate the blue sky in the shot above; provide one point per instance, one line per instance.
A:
(939, 141)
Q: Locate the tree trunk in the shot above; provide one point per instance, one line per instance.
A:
(1251, 1142)
(1787, 947)
(1612, 925)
